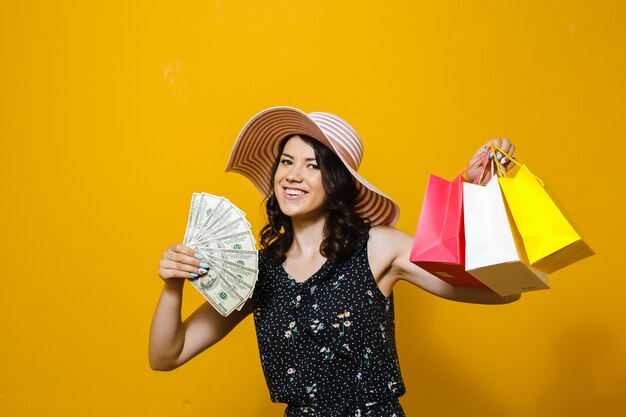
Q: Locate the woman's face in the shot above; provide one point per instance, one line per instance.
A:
(298, 181)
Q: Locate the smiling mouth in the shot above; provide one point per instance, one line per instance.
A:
(293, 193)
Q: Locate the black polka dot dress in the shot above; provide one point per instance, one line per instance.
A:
(327, 344)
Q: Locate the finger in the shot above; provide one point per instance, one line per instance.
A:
(511, 150)
(167, 264)
(488, 145)
(183, 258)
(495, 141)
(510, 164)
(505, 145)
(166, 274)
(180, 248)
(507, 148)
(475, 167)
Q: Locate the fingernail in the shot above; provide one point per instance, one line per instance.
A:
(193, 275)
(504, 160)
(499, 156)
(490, 155)
(202, 271)
(197, 256)
(204, 265)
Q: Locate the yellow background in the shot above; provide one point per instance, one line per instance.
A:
(113, 113)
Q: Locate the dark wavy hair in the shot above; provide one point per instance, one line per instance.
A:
(343, 229)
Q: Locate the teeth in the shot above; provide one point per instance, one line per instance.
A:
(294, 192)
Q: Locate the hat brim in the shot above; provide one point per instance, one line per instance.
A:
(256, 148)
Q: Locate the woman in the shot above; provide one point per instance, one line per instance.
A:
(323, 303)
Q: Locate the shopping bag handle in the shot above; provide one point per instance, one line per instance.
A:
(483, 162)
(500, 168)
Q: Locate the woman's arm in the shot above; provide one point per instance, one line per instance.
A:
(389, 250)
(172, 341)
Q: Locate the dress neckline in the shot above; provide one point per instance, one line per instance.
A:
(321, 269)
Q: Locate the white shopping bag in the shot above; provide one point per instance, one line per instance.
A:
(491, 253)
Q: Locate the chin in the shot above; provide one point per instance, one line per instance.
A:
(300, 212)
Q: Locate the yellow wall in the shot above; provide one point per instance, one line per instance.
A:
(112, 113)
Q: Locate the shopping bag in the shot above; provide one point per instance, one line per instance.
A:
(550, 241)
(439, 243)
(491, 253)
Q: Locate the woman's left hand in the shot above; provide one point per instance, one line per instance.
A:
(476, 167)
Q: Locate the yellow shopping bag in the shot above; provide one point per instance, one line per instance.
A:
(549, 240)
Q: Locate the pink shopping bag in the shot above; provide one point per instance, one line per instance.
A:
(439, 243)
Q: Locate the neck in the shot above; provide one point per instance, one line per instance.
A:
(308, 235)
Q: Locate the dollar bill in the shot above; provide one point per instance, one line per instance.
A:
(192, 213)
(204, 209)
(222, 222)
(218, 292)
(220, 232)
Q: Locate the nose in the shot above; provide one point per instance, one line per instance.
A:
(294, 174)
(291, 177)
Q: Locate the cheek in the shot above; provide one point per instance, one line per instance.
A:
(315, 180)
(277, 177)
(319, 185)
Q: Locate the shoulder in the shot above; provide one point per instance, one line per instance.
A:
(384, 231)
(385, 246)
(387, 238)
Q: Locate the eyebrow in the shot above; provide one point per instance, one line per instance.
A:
(289, 156)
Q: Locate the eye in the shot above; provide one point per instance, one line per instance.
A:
(313, 166)
(286, 162)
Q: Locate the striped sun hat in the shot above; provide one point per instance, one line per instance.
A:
(256, 149)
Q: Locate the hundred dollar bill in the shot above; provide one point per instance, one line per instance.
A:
(192, 213)
(221, 206)
(237, 267)
(205, 208)
(247, 258)
(222, 216)
(201, 207)
(236, 226)
(240, 258)
(219, 231)
(237, 241)
(218, 292)
(241, 282)
(246, 269)
(214, 206)
(228, 213)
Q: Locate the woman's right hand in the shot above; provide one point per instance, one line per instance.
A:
(172, 342)
(180, 261)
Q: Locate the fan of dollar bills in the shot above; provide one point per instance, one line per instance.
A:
(219, 231)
